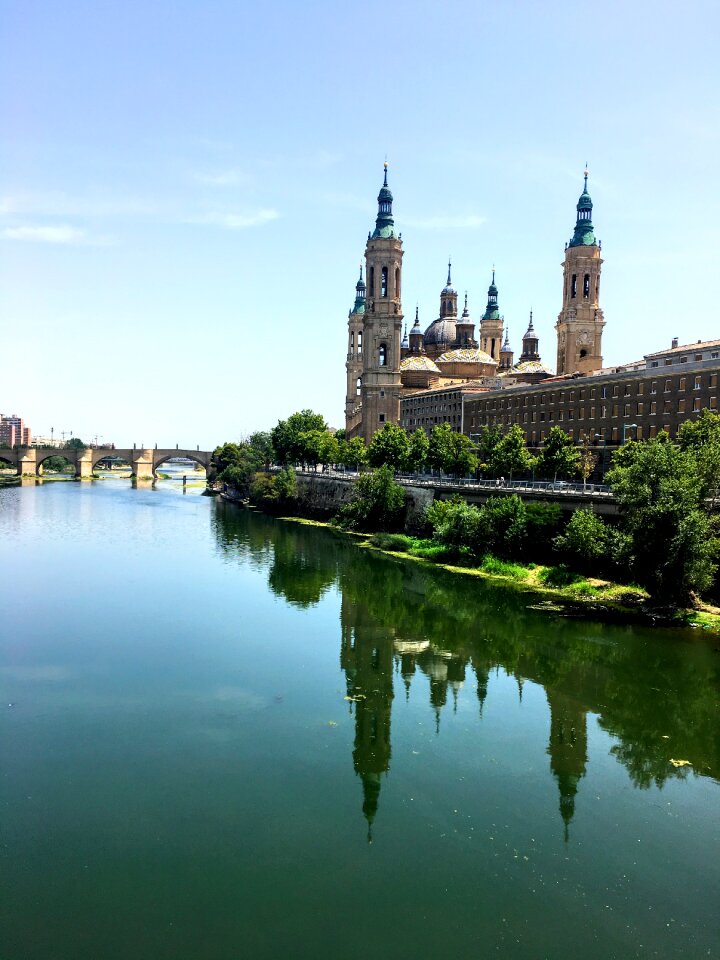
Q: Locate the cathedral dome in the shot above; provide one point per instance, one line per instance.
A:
(440, 332)
(418, 362)
(531, 366)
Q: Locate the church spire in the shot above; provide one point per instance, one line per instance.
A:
(492, 311)
(384, 225)
(584, 235)
(360, 294)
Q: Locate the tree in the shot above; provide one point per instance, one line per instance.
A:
(75, 443)
(440, 446)
(510, 454)
(261, 444)
(701, 439)
(389, 446)
(353, 453)
(286, 435)
(234, 464)
(660, 493)
(488, 440)
(461, 456)
(558, 455)
(378, 502)
(418, 447)
(586, 460)
(584, 540)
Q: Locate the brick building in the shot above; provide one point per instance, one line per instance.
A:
(13, 432)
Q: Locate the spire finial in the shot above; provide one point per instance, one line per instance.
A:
(361, 271)
(586, 175)
(416, 314)
(466, 300)
(449, 264)
(385, 169)
(493, 279)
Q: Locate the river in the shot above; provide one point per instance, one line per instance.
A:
(225, 736)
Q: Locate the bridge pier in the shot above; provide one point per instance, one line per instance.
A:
(27, 462)
(142, 464)
(84, 464)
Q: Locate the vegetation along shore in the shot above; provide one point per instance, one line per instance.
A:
(656, 559)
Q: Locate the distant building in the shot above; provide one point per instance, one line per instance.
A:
(13, 432)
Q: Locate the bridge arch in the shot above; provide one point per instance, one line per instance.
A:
(46, 454)
(195, 456)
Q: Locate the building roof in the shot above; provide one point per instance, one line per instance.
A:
(530, 366)
(441, 331)
(418, 362)
(466, 355)
(685, 348)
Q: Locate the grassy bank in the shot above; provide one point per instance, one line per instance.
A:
(557, 588)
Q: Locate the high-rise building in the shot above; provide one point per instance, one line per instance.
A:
(13, 432)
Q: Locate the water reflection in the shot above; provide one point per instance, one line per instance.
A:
(655, 692)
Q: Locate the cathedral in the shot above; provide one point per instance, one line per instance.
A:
(385, 364)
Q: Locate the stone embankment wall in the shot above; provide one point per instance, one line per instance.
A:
(322, 497)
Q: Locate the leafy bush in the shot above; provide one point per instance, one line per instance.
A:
(274, 493)
(391, 541)
(378, 502)
(559, 576)
(491, 564)
(503, 529)
(584, 540)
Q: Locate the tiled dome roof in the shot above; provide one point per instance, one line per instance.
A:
(530, 366)
(418, 362)
(466, 355)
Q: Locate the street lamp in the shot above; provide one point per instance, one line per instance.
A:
(626, 427)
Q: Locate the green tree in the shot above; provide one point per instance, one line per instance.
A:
(584, 540)
(261, 444)
(511, 454)
(389, 446)
(56, 465)
(488, 440)
(418, 447)
(701, 439)
(440, 449)
(286, 435)
(559, 456)
(75, 443)
(586, 460)
(353, 453)
(672, 539)
(378, 502)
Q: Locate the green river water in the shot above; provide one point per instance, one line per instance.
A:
(224, 736)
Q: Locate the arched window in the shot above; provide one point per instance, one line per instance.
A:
(397, 283)
(586, 286)
(384, 282)
(358, 386)
(360, 343)
(371, 282)
(382, 355)
(573, 286)
(352, 343)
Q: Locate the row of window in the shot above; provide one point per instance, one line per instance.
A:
(669, 361)
(384, 288)
(611, 390)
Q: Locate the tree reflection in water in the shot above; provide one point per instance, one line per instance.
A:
(655, 691)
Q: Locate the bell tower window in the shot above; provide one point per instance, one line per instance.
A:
(352, 343)
(586, 286)
(573, 286)
(371, 282)
(358, 386)
(384, 282)
(359, 344)
(397, 283)
(382, 355)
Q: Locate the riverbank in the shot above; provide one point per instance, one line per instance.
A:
(585, 597)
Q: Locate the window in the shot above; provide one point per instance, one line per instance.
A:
(698, 383)
(615, 410)
(640, 409)
(696, 404)
(641, 388)
(382, 393)
(626, 412)
(592, 413)
(604, 410)
(653, 408)
(586, 286)
(654, 363)
(698, 356)
(682, 383)
(681, 406)
(653, 432)
(573, 286)
(714, 355)
(352, 343)
(397, 283)
(382, 418)
(668, 361)
(684, 359)
(382, 355)
(627, 390)
(384, 282)
(668, 386)
(592, 393)
(713, 379)
(615, 390)
(653, 386)
(603, 393)
(358, 386)
(713, 403)
(360, 344)
(371, 284)
(667, 406)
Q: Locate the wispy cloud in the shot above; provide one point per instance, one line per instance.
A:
(48, 234)
(467, 222)
(225, 178)
(236, 221)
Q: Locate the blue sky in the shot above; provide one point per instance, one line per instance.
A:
(187, 188)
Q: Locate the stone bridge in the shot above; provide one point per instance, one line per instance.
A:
(143, 462)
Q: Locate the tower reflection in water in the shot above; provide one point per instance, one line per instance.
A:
(399, 619)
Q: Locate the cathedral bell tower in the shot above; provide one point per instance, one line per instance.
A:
(580, 322)
(380, 387)
(354, 362)
(491, 324)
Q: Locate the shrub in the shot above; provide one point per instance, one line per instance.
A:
(584, 540)
(391, 541)
(274, 493)
(503, 528)
(378, 502)
(559, 576)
